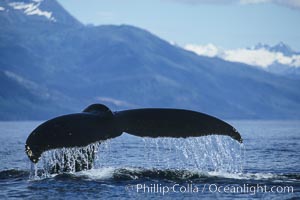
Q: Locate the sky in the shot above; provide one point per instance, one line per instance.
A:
(226, 23)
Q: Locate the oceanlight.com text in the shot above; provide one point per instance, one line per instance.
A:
(251, 189)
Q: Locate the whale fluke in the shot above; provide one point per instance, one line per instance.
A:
(98, 123)
(158, 122)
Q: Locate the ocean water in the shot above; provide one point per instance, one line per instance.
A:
(266, 166)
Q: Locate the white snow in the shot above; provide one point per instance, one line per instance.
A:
(209, 50)
(32, 9)
(261, 57)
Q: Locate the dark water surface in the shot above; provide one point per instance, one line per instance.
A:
(267, 166)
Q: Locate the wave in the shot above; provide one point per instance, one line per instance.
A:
(144, 174)
(128, 173)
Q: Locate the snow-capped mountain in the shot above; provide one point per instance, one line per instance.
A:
(287, 62)
(278, 48)
(52, 64)
(35, 10)
(32, 7)
(279, 59)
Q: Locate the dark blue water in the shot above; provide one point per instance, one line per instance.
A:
(267, 166)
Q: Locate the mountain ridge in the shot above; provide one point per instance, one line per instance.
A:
(128, 67)
(280, 47)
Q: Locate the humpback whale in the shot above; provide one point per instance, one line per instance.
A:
(97, 123)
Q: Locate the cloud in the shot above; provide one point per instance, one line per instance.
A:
(257, 57)
(288, 3)
(209, 50)
(260, 57)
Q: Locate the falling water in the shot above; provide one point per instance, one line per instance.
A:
(65, 160)
(210, 153)
(205, 154)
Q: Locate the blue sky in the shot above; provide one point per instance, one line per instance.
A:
(226, 23)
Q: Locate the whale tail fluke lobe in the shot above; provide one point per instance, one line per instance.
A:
(157, 122)
(98, 123)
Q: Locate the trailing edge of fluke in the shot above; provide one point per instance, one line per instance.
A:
(97, 123)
